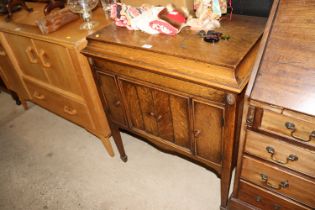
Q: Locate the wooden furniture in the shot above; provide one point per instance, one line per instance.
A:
(8, 75)
(52, 71)
(178, 92)
(276, 163)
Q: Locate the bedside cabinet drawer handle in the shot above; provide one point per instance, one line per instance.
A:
(43, 57)
(152, 114)
(291, 126)
(281, 185)
(69, 110)
(39, 96)
(30, 54)
(272, 153)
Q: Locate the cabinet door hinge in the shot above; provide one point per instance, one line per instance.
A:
(222, 122)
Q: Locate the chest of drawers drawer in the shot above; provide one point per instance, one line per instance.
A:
(264, 199)
(275, 179)
(301, 130)
(280, 152)
(59, 104)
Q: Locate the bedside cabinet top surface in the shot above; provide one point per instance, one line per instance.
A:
(224, 65)
(244, 31)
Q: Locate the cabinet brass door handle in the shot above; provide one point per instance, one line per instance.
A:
(272, 153)
(43, 57)
(38, 95)
(292, 127)
(281, 185)
(197, 133)
(117, 103)
(2, 53)
(69, 110)
(30, 54)
(159, 117)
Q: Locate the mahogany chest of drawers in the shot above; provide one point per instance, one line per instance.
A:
(178, 92)
(276, 163)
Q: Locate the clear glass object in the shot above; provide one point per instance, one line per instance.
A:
(106, 5)
(84, 7)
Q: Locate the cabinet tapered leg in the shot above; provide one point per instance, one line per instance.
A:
(16, 98)
(118, 141)
(108, 146)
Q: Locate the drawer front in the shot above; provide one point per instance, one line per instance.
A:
(280, 152)
(161, 80)
(289, 127)
(59, 104)
(263, 199)
(277, 180)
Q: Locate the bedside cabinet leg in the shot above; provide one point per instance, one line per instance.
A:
(118, 141)
(108, 146)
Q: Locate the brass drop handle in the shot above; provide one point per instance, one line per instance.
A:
(69, 110)
(152, 114)
(272, 152)
(117, 103)
(42, 57)
(281, 185)
(291, 126)
(30, 54)
(258, 198)
(197, 133)
(276, 207)
(38, 95)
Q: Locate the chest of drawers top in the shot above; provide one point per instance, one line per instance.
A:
(224, 65)
(286, 75)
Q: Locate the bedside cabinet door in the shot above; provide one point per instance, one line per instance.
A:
(111, 96)
(56, 62)
(162, 114)
(27, 56)
(208, 131)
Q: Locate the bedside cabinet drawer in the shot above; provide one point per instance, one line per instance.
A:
(287, 155)
(59, 104)
(288, 126)
(263, 199)
(277, 180)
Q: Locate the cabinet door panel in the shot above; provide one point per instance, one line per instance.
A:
(163, 115)
(208, 131)
(147, 108)
(133, 104)
(27, 57)
(111, 95)
(179, 110)
(57, 63)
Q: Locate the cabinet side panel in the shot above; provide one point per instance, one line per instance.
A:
(163, 115)
(147, 107)
(208, 126)
(111, 95)
(133, 105)
(179, 109)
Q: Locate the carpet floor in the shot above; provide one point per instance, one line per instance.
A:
(47, 162)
